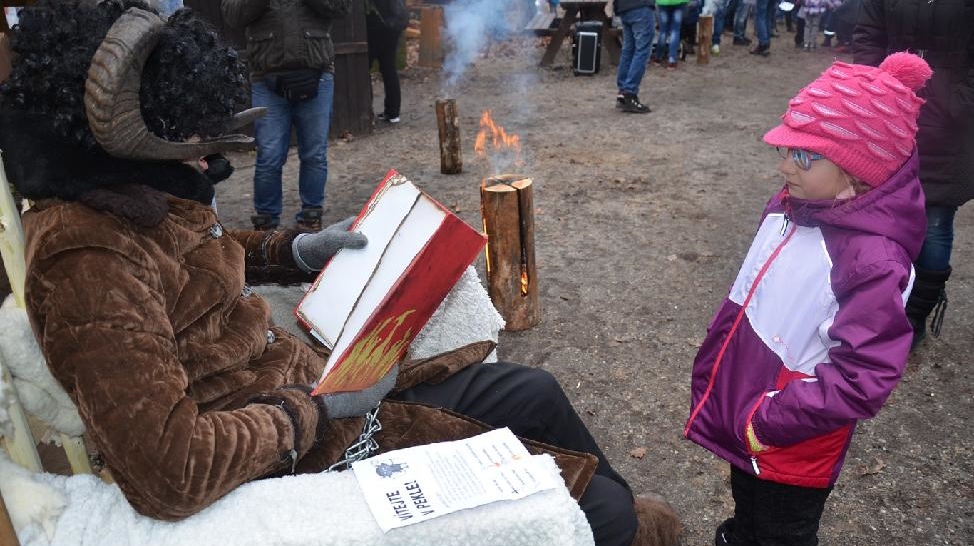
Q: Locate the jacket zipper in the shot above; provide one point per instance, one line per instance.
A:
(750, 418)
(737, 321)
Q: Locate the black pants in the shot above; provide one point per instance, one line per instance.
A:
(771, 514)
(383, 44)
(532, 404)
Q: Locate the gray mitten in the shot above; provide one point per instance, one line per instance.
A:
(312, 250)
(357, 404)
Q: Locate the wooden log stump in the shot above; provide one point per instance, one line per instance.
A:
(507, 204)
(448, 122)
(705, 37)
(430, 42)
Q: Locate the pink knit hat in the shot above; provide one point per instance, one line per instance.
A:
(862, 118)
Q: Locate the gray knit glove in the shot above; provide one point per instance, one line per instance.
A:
(358, 403)
(313, 250)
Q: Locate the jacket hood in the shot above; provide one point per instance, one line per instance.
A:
(894, 209)
(42, 165)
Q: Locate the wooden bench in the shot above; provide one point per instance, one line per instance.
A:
(543, 24)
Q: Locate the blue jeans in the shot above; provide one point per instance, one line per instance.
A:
(740, 20)
(764, 11)
(939, 240)
(670, 19)
(311, 119)
(719, 20)
(638, 26)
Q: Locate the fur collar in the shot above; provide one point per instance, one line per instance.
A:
(41, 165)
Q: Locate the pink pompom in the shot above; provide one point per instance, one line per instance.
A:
(909, 69)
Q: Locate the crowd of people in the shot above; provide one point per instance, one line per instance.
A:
(132, 279)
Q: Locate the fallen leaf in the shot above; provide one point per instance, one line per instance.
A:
(638, 453)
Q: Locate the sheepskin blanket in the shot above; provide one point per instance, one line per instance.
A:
(307, 510)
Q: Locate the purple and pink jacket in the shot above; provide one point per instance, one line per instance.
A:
(813, 335)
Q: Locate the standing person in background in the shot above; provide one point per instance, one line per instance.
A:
(638, 25)
(763, 17)
(385, 20)
(815, 13)
(670, 19)
(717, 8)
(291, 60)
(943, 33)
(743, 11)
(812, 336)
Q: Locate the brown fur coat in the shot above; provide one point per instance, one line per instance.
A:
(174, 365)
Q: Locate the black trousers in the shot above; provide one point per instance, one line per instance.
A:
(771, 514)
(532, 404)
(383, 44)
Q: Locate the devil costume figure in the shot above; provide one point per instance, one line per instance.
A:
(139, 297)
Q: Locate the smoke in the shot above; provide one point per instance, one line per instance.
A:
(470, 24)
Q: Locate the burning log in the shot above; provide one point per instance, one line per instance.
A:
(705, 36)
(507, 204)
(448, 121)
(430, 45)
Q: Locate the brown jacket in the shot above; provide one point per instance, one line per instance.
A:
(175, 367)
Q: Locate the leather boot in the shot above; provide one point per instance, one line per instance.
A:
(929, 293)
(658, 524)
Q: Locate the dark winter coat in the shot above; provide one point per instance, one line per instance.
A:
(622, 6)
(286, 35)
(941, 32)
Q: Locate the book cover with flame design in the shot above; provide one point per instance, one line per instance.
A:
(368, 304)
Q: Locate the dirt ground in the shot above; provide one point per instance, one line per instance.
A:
(642, 221)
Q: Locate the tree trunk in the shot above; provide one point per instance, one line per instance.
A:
(448, 121)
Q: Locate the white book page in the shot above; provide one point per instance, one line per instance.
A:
(331, 300)
(413, 234)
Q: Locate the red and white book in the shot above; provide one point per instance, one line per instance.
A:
(368, 304)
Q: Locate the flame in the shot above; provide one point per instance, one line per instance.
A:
(524, 280)
(495, 145)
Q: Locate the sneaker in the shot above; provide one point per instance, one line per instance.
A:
(633, 106)
(382, 116)
(264, 222)
(742, 41)
(657, 60)
(309, 220)
(762, 50)
(671, 65)
(620, 101)
(715, 49)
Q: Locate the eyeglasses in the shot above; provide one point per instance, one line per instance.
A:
(802, 158)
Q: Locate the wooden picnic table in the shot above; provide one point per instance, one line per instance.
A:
(582, 10)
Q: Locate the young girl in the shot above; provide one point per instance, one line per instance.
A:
(813, 335)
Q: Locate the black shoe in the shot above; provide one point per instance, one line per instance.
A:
(387, 118)
(620, 101)
(632, 105)
(742, 41)
(762, 50)
(309, 220)
(263, 222)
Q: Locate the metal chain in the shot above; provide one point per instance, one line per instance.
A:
(365, 445)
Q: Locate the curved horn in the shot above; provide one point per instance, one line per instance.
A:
(112, 102)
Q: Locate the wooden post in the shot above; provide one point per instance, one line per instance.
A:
(430, 45)
(507, 204)
(448, 122)
(7, 534)
(705, 36)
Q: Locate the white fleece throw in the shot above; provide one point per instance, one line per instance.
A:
(309, 510)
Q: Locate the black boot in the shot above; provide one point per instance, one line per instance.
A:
(929, 295)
